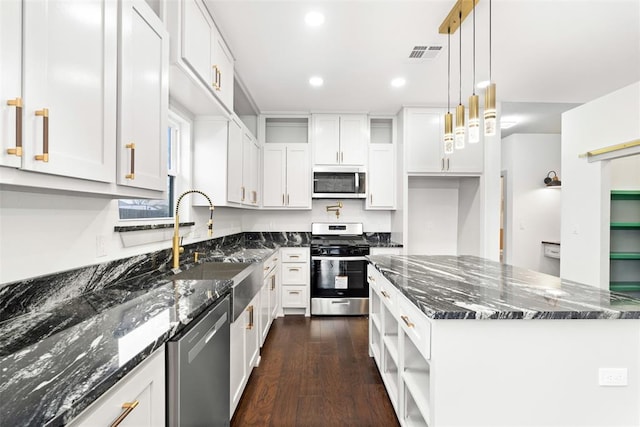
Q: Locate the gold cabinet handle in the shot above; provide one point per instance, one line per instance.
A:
(254, 194)
(407, 322)
(342, 157)
(371, 279)
(242, 188)
(294, 292)
(337, 157)
(195, 256)
(132, 173)
(219, 80)
(282, 199)
(128, 407)
(370, 198)
(447, 163)
(287, 199)
(250, 310)
(384, 294)
(44, 157)
(294, 256)
(216, 78)
(17, 151)
(294, 269)
(273, 282)
(442, 164)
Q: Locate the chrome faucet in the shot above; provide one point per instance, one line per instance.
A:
(177, 249)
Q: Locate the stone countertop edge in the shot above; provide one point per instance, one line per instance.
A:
(469, 287)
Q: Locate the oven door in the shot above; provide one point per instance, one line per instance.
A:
(339, 277)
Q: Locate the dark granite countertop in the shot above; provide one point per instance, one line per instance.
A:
(58, 358)
(468, 287)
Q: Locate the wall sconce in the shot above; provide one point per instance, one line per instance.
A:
(552, 181)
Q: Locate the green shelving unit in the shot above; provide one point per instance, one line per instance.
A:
(625, 241)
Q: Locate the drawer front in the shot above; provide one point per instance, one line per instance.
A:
(270, 264)
(295, 254)
(387, 292)
(415, 324)
(552, 251)
(295, 273)
(294, 296)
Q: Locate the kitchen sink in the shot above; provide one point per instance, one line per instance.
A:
(247, 280)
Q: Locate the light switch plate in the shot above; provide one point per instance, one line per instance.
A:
(613, 377)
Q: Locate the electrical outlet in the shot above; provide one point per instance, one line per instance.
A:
(612, 377)
(101, 245)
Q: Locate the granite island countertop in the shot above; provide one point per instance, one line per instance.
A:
(469, 287)
(56, 360)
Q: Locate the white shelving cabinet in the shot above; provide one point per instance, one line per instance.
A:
(340, 139)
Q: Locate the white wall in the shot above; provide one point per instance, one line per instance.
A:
(609, 120)
(47, 233)
(532, 211)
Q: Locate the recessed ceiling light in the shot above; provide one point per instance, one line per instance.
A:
(316, 81)
(398, 82)
(314, 19)
(483, 84)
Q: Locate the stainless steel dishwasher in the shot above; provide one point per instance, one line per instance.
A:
(198, 372)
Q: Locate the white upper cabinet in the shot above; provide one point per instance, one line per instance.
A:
(69, 88)
(381, 176)
(11, 83)
(201, 75)
(234, 163)
(423, 138)
(340, 139)
(250, 169)
(144, 97)
(287, 176)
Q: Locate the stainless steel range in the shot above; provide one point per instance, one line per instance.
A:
(339, 269)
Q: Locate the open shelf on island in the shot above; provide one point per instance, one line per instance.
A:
(624, 286)
(625, 255)
(624, 274)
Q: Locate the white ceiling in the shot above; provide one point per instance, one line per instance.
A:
(544, 51)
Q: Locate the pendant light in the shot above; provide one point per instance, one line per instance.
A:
(460, 133)
(448, 118)
(490, 95)
(474, 120)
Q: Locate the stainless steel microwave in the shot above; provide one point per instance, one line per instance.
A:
(339, 183)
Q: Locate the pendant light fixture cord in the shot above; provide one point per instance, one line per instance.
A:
(490, 41)
(460, 53)
(448, 69)
(473, 89)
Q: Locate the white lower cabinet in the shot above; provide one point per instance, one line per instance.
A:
(295, 281)
(268, 296)
(244, 350)
(399, 342)
(140, 395)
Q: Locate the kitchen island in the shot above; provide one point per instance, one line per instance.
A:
(464, 341)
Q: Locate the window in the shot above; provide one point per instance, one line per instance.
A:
(158, 209)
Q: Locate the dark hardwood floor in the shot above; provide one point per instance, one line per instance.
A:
(316, 372)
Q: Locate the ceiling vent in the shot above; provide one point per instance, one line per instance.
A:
(424, 52)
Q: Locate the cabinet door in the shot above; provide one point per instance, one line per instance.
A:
(234, 163)
(298, 176)
(10, 81)
(326, 139)
(252, 334)
(274, 167)
(274, 286)
(223, 65)
(265, 310)
(70, 88)
(197, 40)
(145, 384)
(424, 132)
(144, 97)
(468, 160)
(238, 367)
(353, 140)
(250, 155)
(382, 178)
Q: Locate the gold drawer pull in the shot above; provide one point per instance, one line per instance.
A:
(406, 321)
(384, 294)
(371, 279)
(273, 282)
(294, 256)
(294, 269)
(128, 407)
(250, 310)
(243, 193)
(294, 292)
(44, 157)
(132, 173)
(17, 151)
